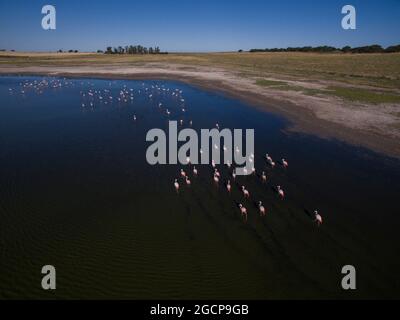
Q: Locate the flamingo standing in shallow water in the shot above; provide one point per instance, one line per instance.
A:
(261, 209)
(246, 193)
(228, 186)
(280, 191)
(285, 163)
(195, 171)
(264, 177)
(176, 185)
(216, 179)
(318, 218)
(243, 211)
(270, 161)
(183, 173)
(188, 181)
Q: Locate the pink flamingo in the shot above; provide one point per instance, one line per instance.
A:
(261, 209)
(264, 177)
(213, 163)
(216, 179)
(228, 186)
(318, 218)
(217, 173)
(176, 184)
(245, 192)
(243, 211)
(281, 192)
(269, 159)
(183, 173)
(195, 171)
(188, 181)
(285, 163)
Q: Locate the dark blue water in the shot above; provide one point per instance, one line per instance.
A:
(76, 192)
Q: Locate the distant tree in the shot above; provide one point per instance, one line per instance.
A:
(346, 49)
(137, 49)
(368, 49)
(100, 51)
(240, 50)
(392, 49)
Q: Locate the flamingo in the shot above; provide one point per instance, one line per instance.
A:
(318, 218)
(281, 192)
(183, 173)
(213, 163)
(188, 181)
(285, 163)
(246, 193)
(228, 186)
(216, 179)
(134, 118)
(243, 211)
(176, 184)
(195, 171)
(269, 159)
(264, 177)
(233, 175)
(261, 209)
(272, 163)
(216, 173)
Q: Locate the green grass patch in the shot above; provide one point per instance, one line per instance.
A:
(363, 95)
(270, 83)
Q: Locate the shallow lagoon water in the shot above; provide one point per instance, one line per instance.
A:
(76, 192)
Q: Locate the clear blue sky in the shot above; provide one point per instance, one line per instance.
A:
(203, 25)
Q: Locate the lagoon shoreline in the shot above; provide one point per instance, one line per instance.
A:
(325, 117)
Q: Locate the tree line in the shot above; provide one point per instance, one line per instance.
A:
(324, 49)
(138, 49)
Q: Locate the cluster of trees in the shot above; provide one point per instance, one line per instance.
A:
(323, 49)
(70, 51)
(133, 50)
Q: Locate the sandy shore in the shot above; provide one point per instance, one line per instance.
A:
(370, 126)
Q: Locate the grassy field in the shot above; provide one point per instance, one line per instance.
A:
(381, 71)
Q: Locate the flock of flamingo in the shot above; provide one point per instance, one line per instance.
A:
(92, 97)
(216, 177)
